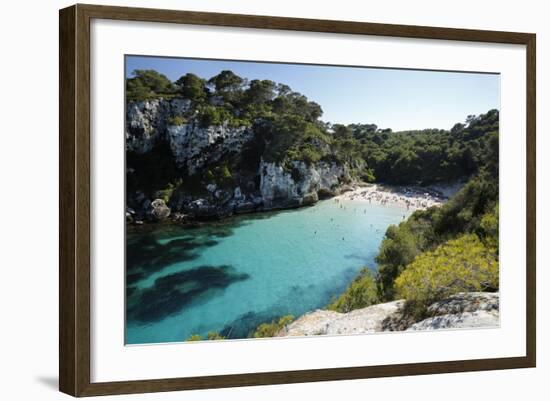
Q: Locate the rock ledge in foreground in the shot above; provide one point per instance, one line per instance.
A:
(463, 310)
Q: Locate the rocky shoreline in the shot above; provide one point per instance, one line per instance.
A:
(193, 211)
(463, 310)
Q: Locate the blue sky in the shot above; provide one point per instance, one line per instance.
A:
(390, 98)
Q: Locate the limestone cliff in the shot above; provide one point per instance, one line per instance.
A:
(146, 122)
(184, 163)
(301, 185)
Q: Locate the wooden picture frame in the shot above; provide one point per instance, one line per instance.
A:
(75, 207)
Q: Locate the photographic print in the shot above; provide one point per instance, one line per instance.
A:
(276, 200)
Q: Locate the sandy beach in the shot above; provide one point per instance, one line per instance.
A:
(409, 197)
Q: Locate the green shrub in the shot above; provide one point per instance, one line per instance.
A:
(367, 175)
(461, 265)
(235, 122)
(399, 248)
(488, 228)
(362, 292)
(214, 115)
(273, 328)
(177, 120)
(463, 212)
(224, 172)
(212, 335)
(309, 154)
(166, 193)
(220, 175)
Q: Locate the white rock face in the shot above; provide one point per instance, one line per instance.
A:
(179, 107)
(477, 319)
(463, 310)
(143, 121)
(147, 120)
(467, 309)
(238, 195)
(359, 321)
(194, 146)
(466, 302)
(278, 185)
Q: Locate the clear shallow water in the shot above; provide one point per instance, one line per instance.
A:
(231, 276)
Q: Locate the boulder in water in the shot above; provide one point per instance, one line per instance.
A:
(310, 199)
(158, 210)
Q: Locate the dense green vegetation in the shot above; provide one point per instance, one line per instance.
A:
(288, 127)
(416, 257)
(427, 156)
(435, 253)
(148, 84)
(271, 329)
(472, 210)
(362, 292)
(461, 265)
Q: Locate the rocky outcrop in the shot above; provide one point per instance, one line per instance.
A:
(158, 211)
(466, 302)
(471, 309)
(197, 150)
(194, 146)
(463, 310)
(280, 187)
(477, 319)
(146, 121)
(359, 321)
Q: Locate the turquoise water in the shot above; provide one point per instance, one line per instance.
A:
(230, 276)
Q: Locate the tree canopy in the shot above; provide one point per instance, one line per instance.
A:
(148, 84)
(289, 128)
(192, 87)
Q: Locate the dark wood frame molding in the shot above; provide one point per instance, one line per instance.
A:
(74, 199)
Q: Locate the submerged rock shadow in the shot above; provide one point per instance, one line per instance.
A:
(170, 294)
(149, 251)
(150, 248)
